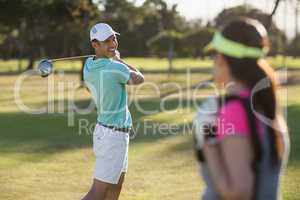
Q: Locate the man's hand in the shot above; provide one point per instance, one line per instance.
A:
(117, 56)
(136, 78)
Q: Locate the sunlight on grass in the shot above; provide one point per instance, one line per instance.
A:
(41, 157)
(150, 63)
(171, 116)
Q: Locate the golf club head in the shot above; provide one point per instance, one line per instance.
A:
(45, 67)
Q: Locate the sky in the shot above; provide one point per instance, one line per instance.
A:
(208, 9)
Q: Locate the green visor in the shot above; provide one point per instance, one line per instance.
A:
(233, 49)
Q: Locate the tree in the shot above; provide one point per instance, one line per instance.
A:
(294, 47)
(169, 18)
(40, 26)
(194, 41)
(165, 43)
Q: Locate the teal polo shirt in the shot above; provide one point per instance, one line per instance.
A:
(106, 80)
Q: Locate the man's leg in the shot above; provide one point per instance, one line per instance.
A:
(114, 190)
(98, 191)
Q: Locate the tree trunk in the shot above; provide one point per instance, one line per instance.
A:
(81, 71)
(19, 64)
(19, 61)
(31, 62)
(85, 45)
(297, 7)
(170, 58)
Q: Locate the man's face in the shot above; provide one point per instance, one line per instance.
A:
(106, 48)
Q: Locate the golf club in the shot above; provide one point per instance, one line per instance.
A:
(45, 66)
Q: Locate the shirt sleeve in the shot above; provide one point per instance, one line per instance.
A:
(122, 73)
(232, 120)
(85, 69)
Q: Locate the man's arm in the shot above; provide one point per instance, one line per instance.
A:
(136, 77)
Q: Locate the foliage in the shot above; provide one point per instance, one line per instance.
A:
(36, 30)
(195, 41)
(294, 47)
(56, 28)
(164, 42)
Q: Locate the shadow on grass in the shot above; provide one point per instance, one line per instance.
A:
(198, 69)
(50, 133)
(294, 128)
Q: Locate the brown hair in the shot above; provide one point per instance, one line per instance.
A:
(94, 40)
(250, 71)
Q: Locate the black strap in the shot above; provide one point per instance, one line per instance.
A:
(209, 131)
(126, 130)
(198, 152)
(254, 134)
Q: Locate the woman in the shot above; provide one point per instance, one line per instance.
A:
(246, 156)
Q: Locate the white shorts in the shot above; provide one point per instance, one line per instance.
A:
(111, 151)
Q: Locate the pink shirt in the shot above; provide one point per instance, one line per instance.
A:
(232, 119)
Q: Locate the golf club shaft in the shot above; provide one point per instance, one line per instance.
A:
(69, 58)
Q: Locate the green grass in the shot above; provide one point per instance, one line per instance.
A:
(162, 64)
(141, 63)
(290, 62)
(145, 63)
(41, 157)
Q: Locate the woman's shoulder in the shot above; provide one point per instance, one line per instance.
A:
(232, 108)
(232, 120)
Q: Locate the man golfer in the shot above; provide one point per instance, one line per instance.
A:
(106, 76)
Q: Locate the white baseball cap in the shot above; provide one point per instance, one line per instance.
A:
(101, 32)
